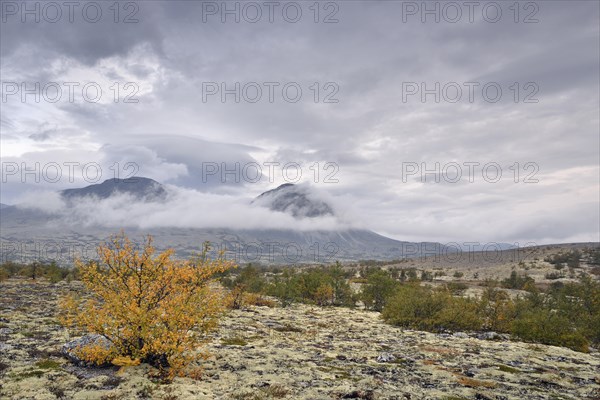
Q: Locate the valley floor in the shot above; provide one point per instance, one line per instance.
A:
(300, 352)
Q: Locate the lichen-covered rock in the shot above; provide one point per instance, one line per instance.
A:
(385, 358)
(70, 349)
(461, 335)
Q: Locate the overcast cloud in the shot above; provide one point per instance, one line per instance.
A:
(375, 136)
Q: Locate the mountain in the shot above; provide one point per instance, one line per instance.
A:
(140, 188)
(27, 233)
(492, 246)
(2, 205)
(295, 200)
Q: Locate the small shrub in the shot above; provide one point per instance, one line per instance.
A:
(256, 299)
(379, 288)
(324, 295)
(235, 299)
(548, 327)
(517, 281)
(553, 275)
(456, 288)
(426, 276)
(151, 308)
(418, 307)
(4, 274)
(322, 286)
(497, 309)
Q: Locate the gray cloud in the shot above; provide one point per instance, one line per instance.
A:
(371, 133)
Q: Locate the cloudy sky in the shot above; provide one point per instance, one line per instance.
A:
(451, 123)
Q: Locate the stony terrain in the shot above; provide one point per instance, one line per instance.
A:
(491, 264)
(300, 352)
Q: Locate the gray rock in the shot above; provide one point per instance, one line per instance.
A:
(385, 358)
(5, 347)
(5, 331)
(461, 335)
(69, 349)
(489, 336)
(272, 324)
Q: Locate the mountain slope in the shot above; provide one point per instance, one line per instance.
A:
(295, 200)
(139, 187)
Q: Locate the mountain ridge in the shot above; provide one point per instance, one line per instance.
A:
(269, 245)
(141, 188)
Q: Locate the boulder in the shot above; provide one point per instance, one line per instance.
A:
(69, 349)
(385, 358)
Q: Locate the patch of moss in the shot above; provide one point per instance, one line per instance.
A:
(47, 364)
(36, 373)
(234, 341)
(506, 368)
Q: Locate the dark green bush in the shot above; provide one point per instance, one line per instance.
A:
(517, 281)
(377, 289)
(553, 275)
(246, 279)
(320, 285)
(36, 269)
(549, 327)
(456, 288)
(565, 315)
(571, 259)
(418, 307)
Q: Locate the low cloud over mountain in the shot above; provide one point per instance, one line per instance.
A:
(290, 217)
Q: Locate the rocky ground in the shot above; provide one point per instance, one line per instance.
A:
(300, 352)
(490, 264)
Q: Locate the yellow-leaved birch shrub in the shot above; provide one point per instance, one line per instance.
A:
(151, 308)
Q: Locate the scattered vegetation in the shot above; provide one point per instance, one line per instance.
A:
(566, 315)
(570, 259)
(517, 281)
(157, 310)
(323, 286)
(419, 307)
(37, 270)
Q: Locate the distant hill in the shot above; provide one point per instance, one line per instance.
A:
(2, 205)
(139, 187)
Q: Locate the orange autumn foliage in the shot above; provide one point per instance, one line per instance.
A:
(151, 308)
